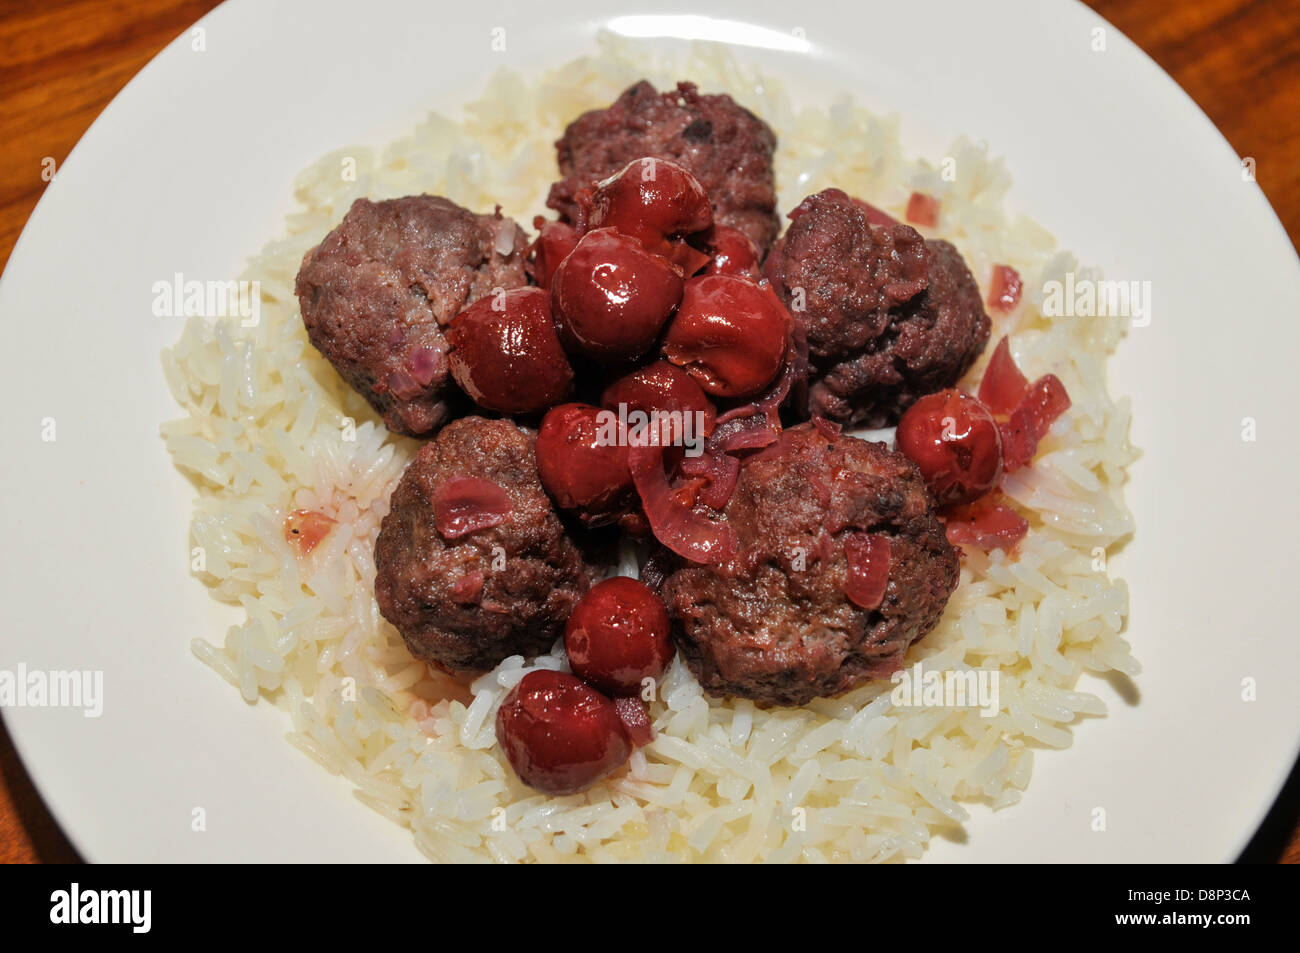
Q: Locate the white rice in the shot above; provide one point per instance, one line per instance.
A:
(268, 430)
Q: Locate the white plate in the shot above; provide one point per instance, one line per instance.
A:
(190, 169)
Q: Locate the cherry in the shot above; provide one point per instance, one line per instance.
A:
(582, 461)
(731, 252)
(657, 386)
(560, 734)
(619, 635)
(505, 353)
(651, 200)
(730, 334)
(553, 243)
(663, 387)
(612, 297)
(954, 441)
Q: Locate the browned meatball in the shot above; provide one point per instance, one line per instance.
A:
(774, 624)
(722, 144)
(465, 598)
(376, 293)
(889, 316)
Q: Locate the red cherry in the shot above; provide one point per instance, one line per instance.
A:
(731, 252)
(730, 334)
(661, 386)
(560, 734)
(651, 200)
(657, 386)
(505, 354)
(954, 441)
(553, 243)
(619, 635)
(582, 461)
(612, 297)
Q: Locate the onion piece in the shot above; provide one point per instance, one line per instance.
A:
(505, 236)
(468, 588)
(403, 386)
(465, 504)
(1045, 401)
(304, 529)
(874, 215)
(743, 433)
(868, 573)
(687, 533)
(720, 470)
(636, 720)
(1003, 385)
(1007, 285)
(686, 257)
(922, 209)
(829, 429)
(425, 363)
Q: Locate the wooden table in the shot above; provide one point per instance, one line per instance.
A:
(63, 60)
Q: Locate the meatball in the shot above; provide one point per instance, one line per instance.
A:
(889, 316)
(376, 293)
(472, 563)
(775, 623)
(722, 144)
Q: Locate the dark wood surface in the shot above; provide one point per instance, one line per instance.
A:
(61, 61)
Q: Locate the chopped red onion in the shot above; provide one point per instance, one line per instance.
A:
(466, 504)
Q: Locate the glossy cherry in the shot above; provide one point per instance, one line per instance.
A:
(663, 387)
(560, 734)
(553, 243)
(657, 386)
(651, 200)
(612, 297)
(582, 461)
(505, 354)
(954, 441)
(619, 635)
(730, 334)
(731, 252)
